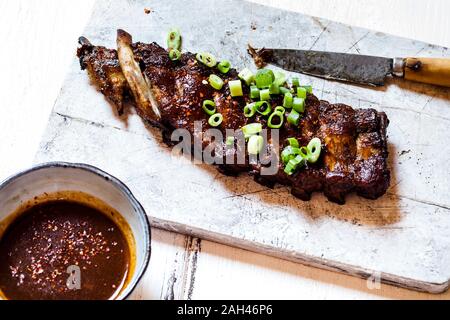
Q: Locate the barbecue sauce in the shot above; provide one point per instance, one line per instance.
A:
(62, 249)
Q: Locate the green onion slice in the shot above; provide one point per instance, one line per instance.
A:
(215, 81)
(295, 82)
(293, 117)
(304, 152)
(250, 110)
(280, 78)
(174, 39)
(280, 109)
(251, 129)
(294, 164)
(314, 147)
(247, 76)
(235, 88)
(300, 160)
(274, 89)
(224, 66)
(287, 154)
(275, 124)
(301, 92)
(290, 168)
(291, 152)
(215, 120)
(308, 89)
(255, 144)
(298, 104)
(264, 78)
(174, 54)
(207, 59)
(287, 100)
(209, 107)
(254, 92)
(263, 107)
(293, 142)
(284, 90)
(264, 94)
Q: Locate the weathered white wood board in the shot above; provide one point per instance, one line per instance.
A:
(403, 236)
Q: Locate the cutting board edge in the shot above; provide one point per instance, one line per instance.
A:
(324, 264)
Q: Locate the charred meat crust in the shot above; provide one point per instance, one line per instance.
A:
(104, 70)
(355, 147)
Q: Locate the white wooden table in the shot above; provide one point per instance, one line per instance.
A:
(39, 43)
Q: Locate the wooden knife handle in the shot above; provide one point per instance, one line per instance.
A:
(428, 70)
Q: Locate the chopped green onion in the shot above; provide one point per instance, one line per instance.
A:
(314, 147)
(298, 104)
(224, 66)
(264, 94)
(270, 121)
(298, 159)
(207, 59)
(254, 92)
(215, 120)
(293, 117)
(209, 107)
(287, 100)
(247, 76)
(308, 88)
(280, 78)
(293, 142)
(215, 81)
(274, 89)
(255, 144)
(174, 54)
(284, 90)
(174, 39)
(294, 157)
(263, 107)
(264, 78)
(287, 154)
(290, 168)
(294, 164)
(250, 110)
(280, 109)
(295, 82)
(235, 88)
(301, 92)
(229, 141)
(304, 152)
(290, 153)
(251, 129)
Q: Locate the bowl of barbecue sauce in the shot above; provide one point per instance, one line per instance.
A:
(70, 232)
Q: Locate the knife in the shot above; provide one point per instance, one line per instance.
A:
(355, 68)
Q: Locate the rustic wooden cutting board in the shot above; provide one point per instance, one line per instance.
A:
(403, 237)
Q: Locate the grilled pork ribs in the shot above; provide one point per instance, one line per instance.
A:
(169, 94)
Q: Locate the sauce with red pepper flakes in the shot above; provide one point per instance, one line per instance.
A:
(62, 249)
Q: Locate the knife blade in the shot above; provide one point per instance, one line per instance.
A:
(354, 68)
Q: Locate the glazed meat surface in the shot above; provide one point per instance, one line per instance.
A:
(354, 153)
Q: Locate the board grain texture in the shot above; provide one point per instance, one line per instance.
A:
(363, 237)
